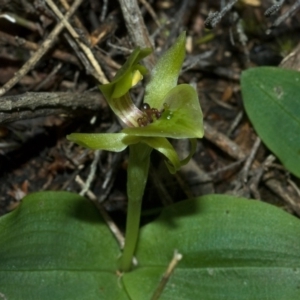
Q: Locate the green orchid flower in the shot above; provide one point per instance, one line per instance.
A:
(170, 110)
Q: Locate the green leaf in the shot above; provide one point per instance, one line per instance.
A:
(232, 248)
(165, 74)
(105, 141)
(55, 246)
(272, 102)
(182, 119)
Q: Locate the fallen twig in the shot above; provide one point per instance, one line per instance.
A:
(32, 105)
(20, 42)
(136, 28)
(99, 73)
(44, 47)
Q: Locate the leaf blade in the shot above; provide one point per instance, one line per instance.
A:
(271, 102)
(55, 246)
(232, 249)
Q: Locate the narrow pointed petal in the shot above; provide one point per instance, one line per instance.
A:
(182, 119)
(193, 143)
(164, 75)
(172, 169)
(115, 142)
(164, 146)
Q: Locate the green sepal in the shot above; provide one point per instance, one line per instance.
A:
(122, 81)
(115, 142)
(164, 75)
(193, 143)
(183, 162)
(182, 119)
(163, 146)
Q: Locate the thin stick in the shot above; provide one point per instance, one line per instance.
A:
(136, 28)
(294, 186)
(110, 223)
(280, 189)
(250, 159)
(162, 284)
(287, 15)
(258, 175)
(179, 17)
(223, 142)
(104, 10)
(22, 22)
(49, 77)
(89, 69)
(77, 21)
(100, 75)
(235, 122)
(233, 150)
(20, 42)
(44, 47)
(151, 12)
(92, 173)
(217, 174)
(214, 18)
(274, 8)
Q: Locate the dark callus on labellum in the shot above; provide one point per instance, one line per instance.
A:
(150, 115)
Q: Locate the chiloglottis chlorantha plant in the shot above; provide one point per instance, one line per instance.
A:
(168, 111)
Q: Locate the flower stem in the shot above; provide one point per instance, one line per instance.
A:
(137, 174)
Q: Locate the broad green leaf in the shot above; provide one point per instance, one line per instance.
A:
(182, 119)
(165, 74)
(105, 141)
(232, 248)
(56, 246)
(272, 102)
